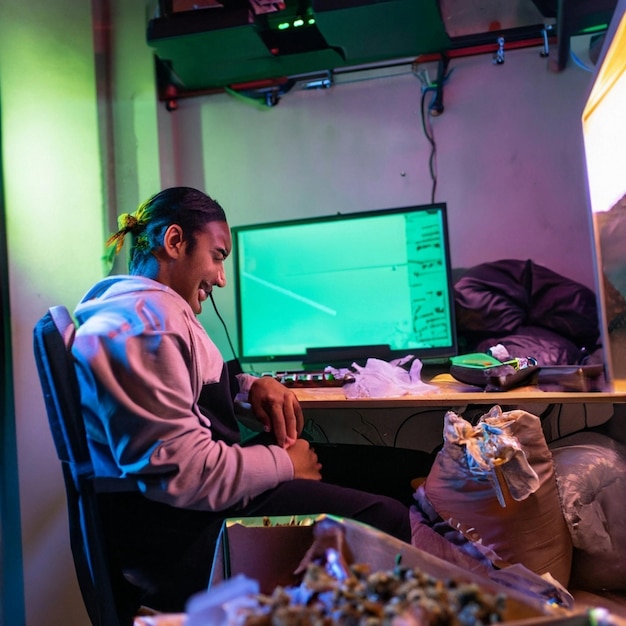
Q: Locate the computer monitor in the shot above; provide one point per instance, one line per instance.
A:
(345, 287)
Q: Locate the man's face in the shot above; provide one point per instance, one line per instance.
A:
(195, 273)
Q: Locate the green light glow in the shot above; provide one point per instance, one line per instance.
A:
(311, 21)
(594, 29)
(298, 22)
(283, 26)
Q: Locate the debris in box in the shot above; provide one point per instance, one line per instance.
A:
(334, 592)
(402, 596)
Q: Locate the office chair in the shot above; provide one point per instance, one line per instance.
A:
(109, 598)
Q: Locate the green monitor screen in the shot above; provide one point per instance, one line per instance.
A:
(332, 289)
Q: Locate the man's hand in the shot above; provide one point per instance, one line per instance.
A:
(304, 459)
(277, 408)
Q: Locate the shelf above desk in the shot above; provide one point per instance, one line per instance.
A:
(452, 393)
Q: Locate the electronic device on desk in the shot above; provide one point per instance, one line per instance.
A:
(342, 288)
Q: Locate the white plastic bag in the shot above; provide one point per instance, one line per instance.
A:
(223, 604)
(382, 379)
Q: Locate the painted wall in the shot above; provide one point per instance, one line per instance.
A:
(57, 168)
(509, 159)
(509, 164)
(53, 199)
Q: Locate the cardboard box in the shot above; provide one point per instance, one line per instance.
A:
(269, 550)
(266, 550)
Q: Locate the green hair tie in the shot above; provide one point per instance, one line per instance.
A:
(127, 223)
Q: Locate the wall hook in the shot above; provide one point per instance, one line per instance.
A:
(545, 51)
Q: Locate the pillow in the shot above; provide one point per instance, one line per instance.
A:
(499, 298)
(563, 306)
(492, 297)
(495, 483)
(591, 477)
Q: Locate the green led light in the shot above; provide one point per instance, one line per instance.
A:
(594, 29)
(298, 22)
(311, 21)
(283, 26)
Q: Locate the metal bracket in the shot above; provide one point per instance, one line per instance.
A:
(498, 57)
(545, 51)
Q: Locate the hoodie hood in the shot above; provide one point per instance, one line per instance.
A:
(119, 289)
(121, 307)
(122, 284)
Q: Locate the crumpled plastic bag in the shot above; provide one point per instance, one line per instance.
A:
(223, 603)
(387, 379)
(487, 446)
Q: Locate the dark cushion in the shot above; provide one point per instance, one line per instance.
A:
(531, 307)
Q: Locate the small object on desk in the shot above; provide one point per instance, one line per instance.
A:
(499, 352)
(571, 378)
(484, 370)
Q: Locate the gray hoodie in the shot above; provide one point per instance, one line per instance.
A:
(142, 360)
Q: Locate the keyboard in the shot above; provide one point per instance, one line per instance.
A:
(310, 378)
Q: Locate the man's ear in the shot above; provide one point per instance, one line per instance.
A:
(173, 241)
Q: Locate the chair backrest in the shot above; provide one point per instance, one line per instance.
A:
(106, 594)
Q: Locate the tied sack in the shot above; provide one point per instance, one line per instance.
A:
(495, 483)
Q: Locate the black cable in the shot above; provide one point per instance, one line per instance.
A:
(219, 317)
(370, 425)
(545, 413)
(310, 424)
(358, 432)
(558, 422)
(409, 418)
(428, 133)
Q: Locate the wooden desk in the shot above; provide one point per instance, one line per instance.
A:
(416, 422)
(450, 392)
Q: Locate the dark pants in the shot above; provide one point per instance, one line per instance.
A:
(168, 552)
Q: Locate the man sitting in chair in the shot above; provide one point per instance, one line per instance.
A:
(158, 408)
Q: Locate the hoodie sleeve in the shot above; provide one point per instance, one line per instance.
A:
(142, 419)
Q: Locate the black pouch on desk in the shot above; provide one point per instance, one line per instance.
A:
(494, 378)
(472, 369)
(571, 378)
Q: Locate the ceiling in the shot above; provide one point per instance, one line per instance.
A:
(204, 45)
